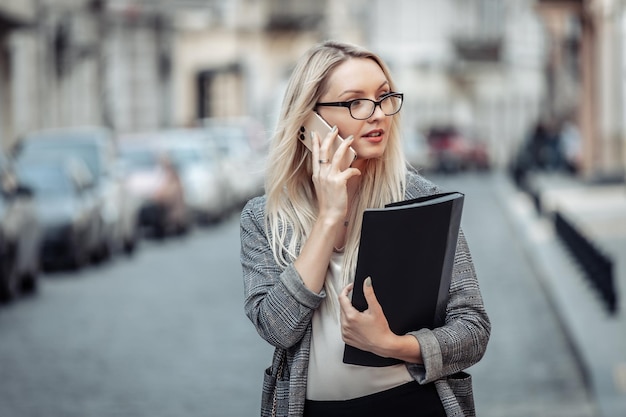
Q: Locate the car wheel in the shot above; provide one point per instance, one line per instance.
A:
(130, 243)
(30, 283)
(182, 228)
(106, 251)
(160, 230)
(80, 258)
(9, 280)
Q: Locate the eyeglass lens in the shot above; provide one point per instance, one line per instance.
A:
(363, 109)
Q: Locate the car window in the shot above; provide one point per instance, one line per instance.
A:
(47, 181)
(139, 159)
(86, 151)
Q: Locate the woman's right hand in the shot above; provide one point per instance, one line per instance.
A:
(331, 189)
(330, 178)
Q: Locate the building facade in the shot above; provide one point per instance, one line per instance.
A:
(585, 76)
(84, 62)
(473, 64)
(477, 64)
(485, 65)
(15, 16)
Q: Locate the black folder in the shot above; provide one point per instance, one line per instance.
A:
(408, 249)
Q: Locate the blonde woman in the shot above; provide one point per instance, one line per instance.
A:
(299, 245)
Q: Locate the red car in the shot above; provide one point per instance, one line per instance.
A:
(452, 150)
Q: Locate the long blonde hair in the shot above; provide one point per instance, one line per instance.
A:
(291, 200)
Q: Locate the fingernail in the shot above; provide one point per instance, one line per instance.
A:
(334, 129)
(368, 282)
(312, 135)
(350, 138)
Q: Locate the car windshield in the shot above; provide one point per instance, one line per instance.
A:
(185, 156)
(139, 159)
(47, 181)
(87, 151)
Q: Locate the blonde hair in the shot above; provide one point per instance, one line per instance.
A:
(291, 200)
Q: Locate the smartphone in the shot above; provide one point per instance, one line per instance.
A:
(315, 123)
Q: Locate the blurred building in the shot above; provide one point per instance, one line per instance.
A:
(84, 62)
(585, 78)
(136, 65)
(233, 56)
(473, 64)
(144, 64)
(138, 59)
(15, 15)
(489, 66)
(476, 64)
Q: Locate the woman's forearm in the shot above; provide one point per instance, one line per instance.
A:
(312, 263)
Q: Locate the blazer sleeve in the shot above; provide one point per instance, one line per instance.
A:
(276, 300)
(462, 340)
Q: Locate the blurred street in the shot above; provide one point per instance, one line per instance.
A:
(163, 333)
(133, 131)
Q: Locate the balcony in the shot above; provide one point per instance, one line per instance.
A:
(561, 3)
(478, 49)
(547, 6)
(16, 13)
(287, 15)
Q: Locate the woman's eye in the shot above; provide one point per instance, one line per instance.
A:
(356, 104)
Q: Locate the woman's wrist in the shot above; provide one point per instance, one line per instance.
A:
(405, 348)
(330, 220)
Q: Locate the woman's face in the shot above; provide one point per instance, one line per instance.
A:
(358, 78)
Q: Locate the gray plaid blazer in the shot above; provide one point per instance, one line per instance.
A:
(281, 308)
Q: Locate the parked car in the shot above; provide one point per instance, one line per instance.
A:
(127, 234)
(153, 178)
(97, 147)
(452, 149)
(67, 209)
(242, 146)
(20, 235)
(207, 194)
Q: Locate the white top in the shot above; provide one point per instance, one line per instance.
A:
(329, 378)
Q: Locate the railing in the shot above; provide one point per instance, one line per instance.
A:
(598, 267)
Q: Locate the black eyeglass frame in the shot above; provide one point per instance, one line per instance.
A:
(348, 104)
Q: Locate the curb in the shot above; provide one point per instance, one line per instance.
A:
(538, 241)
(595, 337)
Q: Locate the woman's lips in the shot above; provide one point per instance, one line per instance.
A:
(374, 136)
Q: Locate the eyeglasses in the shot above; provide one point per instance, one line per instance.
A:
(363, 108)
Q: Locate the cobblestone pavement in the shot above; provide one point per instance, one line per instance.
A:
(164, 334)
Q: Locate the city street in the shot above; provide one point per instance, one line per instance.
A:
(163, 333)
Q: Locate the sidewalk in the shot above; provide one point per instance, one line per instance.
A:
(597, 338)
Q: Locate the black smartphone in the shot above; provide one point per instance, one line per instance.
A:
(315, 123)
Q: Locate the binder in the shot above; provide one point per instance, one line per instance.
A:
(408, 250)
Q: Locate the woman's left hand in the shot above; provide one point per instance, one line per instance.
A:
(367, 330)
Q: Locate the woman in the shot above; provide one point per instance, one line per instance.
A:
(299, 245)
